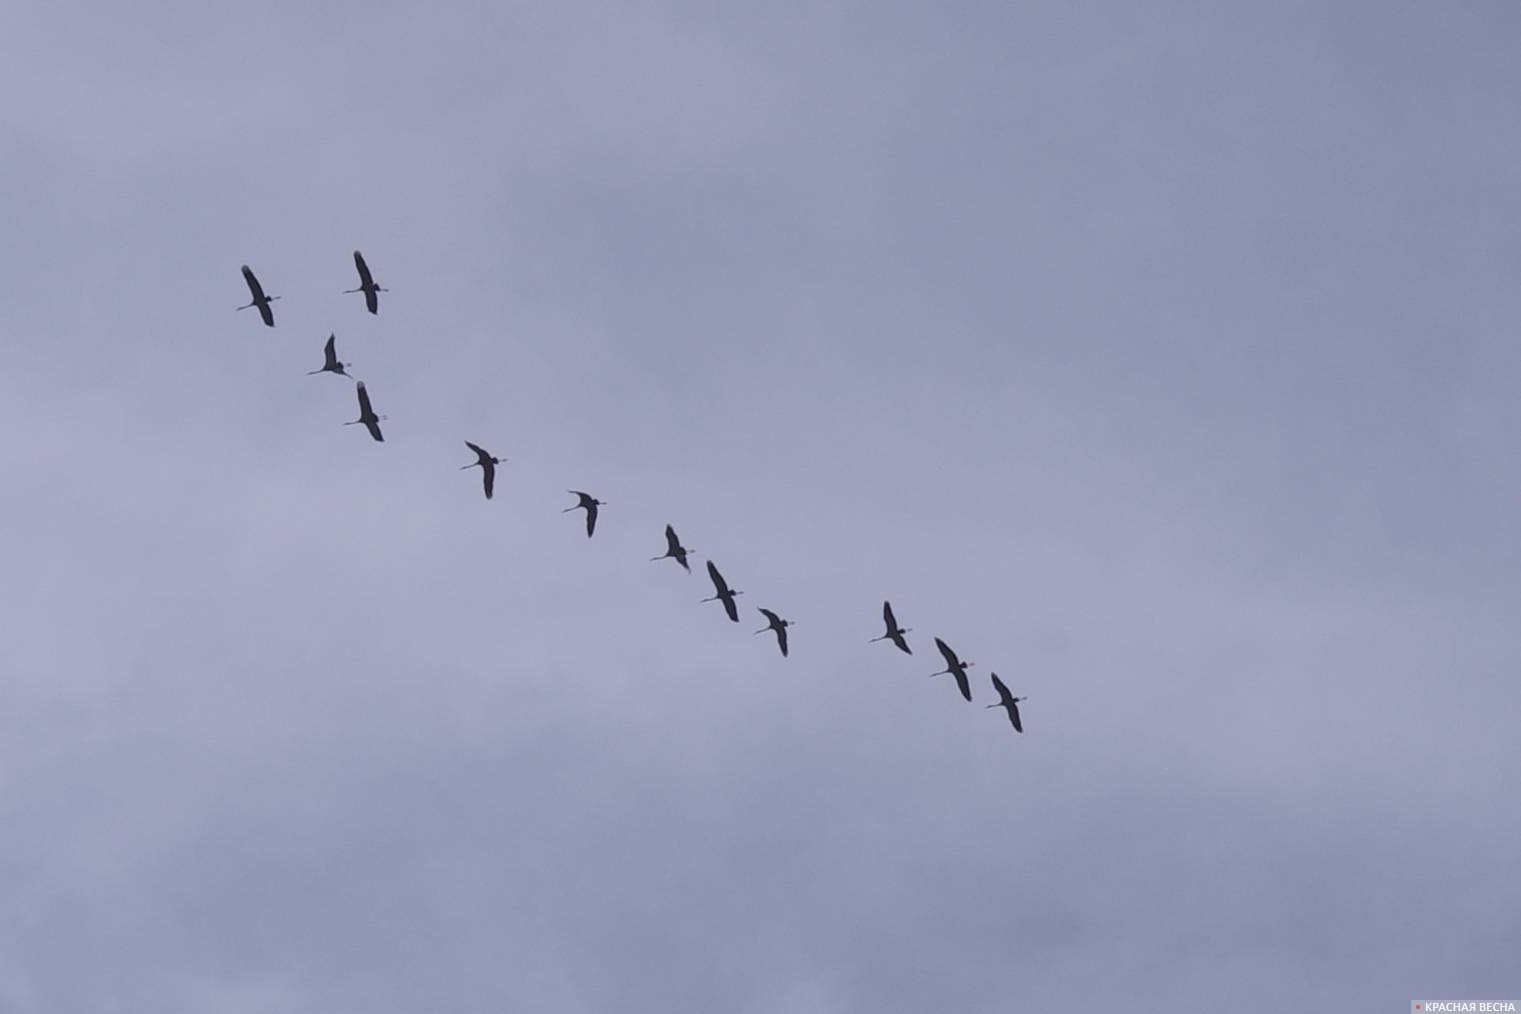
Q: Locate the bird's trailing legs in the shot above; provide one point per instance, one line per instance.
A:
(884, 637)
(267, 299)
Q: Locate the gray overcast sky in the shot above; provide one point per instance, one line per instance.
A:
(1160, 357)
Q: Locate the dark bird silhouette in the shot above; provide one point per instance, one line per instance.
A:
(955, 667)
(367, 414)
(1011, 703)
(366, 284)
(330, 354)
(776, 623)
(674, 550)
(590, 503)
(725, 594)
(487, 465)
(259, 298)
(894, 632)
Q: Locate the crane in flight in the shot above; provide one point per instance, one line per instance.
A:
(487, 464)
(894, 632)
(259, 298)
(776, 623)
(331, 363)
(366, 284)
(590, 503)
(955, 667)
(674, 550)
(725, 593)
(1008, 702)
(367, 414)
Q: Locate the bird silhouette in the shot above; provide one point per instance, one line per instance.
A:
(366, 284)
(590, 503)
(776, 623)
(1008, 702)
(367, 414)
(330, 356)
(259, 298)
(894, 632)
(674, 550)
(955, 667)
(725, 593)
(487, 464)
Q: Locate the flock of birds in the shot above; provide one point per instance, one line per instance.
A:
(486, 462)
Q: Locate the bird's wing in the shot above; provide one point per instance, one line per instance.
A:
(672, 544)
(781, 637)
(949, 655)
(771, 617)
(478, 452)
(364, 270)
(1014, 717)
(1003, 691)
(364, 401)
(488, 476)
(374, 428)
(901, 643)
(718, 579)
(591, 518)
(253, 283)
(961, 682)
(888, 617)
(731, 608)
(268, 313)
(330, 350)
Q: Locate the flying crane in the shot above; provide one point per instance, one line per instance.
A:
(487, 464)
(259, 298)
(366, 284)
(367, 414)
(330, 355)
(776, 623)
(1008, 702)
(725, 594)
(955, 667)
(590, 503)
(674, 550)
(894, 632)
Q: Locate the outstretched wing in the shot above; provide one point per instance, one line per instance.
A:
(951, 660)
(591, 518)
(772, 618)
(888, 617)
(718, 579)
(1013, 710)
(365, 281)
(901, 643)
(1003, 691)
(364, 405)
(479, 453)
(330, 353)
(781, 639)
(730, 608)
(488, 476)
(374, 428)
(253, 284)
(961, 682)
(672, 544)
